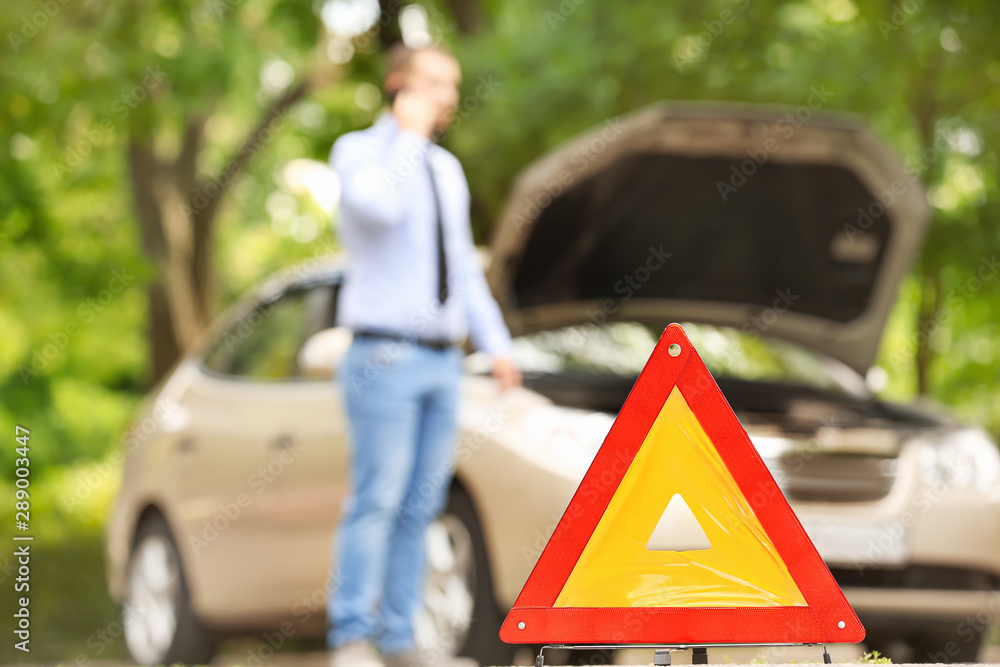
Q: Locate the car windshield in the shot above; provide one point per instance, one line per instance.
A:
(622, 348)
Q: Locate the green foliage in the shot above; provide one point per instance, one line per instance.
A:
(80, 79)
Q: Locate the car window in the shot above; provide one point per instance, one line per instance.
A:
(622, 348)
(264, 344)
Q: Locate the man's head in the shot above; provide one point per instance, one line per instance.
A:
(432, 72)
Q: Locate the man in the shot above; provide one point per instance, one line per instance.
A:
(414, 288)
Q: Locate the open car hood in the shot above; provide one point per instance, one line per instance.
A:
(739, 216)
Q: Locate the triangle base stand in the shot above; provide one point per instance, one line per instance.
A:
(699, 654)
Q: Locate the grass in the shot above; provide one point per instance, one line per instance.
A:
(73, 619)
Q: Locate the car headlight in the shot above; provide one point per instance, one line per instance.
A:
(966, 459)
(565, 437)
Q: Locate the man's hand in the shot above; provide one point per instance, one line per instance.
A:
(506, 373)
(415, 112)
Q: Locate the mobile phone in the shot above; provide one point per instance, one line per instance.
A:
(391, 95)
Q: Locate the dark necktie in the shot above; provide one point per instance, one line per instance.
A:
(441, 260)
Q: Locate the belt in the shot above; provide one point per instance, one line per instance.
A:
(432, 343)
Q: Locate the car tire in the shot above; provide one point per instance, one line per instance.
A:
(482, 639)
(160, 626)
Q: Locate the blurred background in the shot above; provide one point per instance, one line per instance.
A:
(160, 157)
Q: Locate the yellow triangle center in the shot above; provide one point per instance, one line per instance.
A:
(625, 565)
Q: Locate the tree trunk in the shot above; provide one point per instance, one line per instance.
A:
(927, 314)
(177, 211)
(164, 347)
(388, 23)
(926, 112)
(468, 14)
(176, 311)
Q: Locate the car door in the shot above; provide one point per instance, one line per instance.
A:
(304, 502)
(258, 428)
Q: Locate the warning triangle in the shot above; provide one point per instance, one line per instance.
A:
(678, 533)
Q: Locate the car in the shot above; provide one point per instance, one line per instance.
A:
(778, 237)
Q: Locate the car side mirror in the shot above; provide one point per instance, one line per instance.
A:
(322, 353)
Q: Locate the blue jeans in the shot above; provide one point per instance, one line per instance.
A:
(401, 404)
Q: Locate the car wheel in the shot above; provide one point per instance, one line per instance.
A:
(460, 616)
(159, 625)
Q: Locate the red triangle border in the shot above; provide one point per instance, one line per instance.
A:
(827, 618)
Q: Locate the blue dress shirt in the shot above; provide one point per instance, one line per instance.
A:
(388, 222)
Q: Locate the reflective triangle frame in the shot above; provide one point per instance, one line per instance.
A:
(827, 616)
